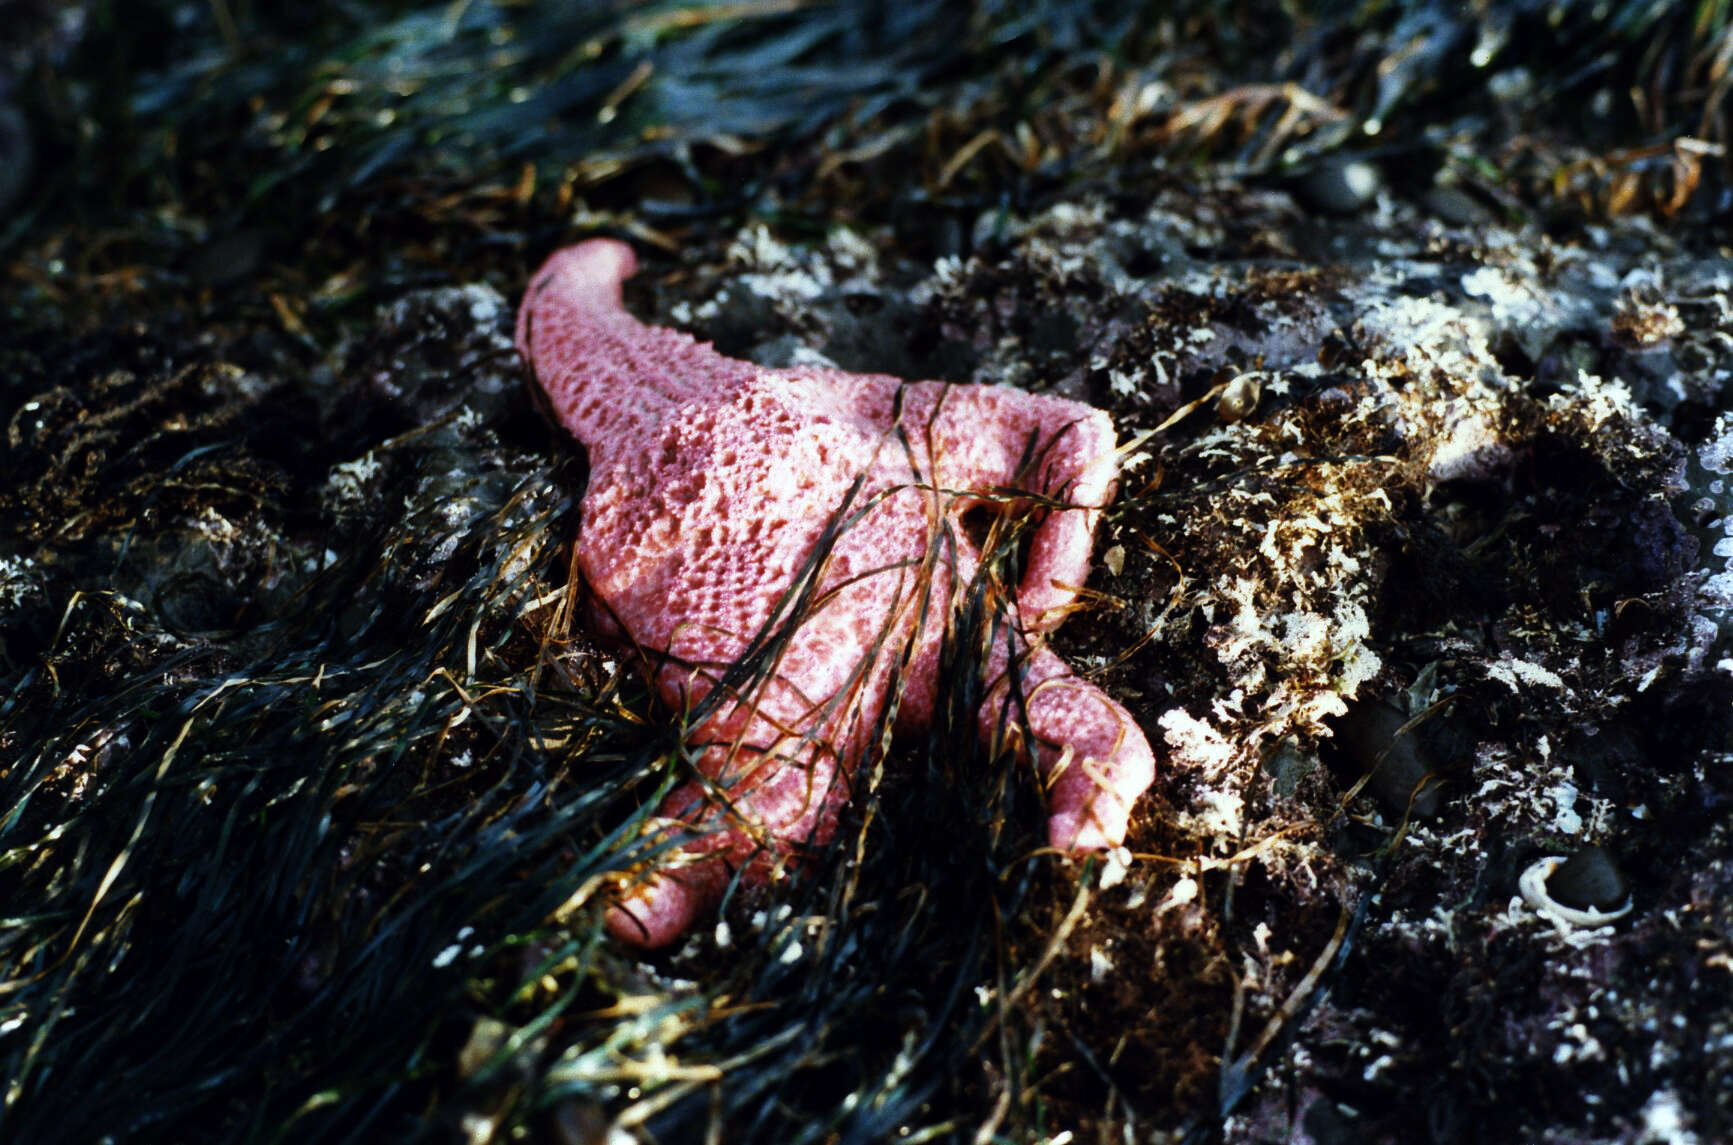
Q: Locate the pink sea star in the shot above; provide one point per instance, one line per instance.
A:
(715, 482)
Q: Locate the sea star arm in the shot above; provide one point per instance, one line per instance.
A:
(1087, 748)
(610, 378)
(778, 755)
(994, 443)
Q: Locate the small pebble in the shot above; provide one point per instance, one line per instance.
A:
(1589, 880)
(1339, 186)
(1239, 398)
(1455, 206)
(1399, 763)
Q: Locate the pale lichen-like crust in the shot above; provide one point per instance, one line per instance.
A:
(713, 483)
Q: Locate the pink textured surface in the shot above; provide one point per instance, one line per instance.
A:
(712, 482)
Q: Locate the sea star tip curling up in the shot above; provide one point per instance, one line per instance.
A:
(716, 484)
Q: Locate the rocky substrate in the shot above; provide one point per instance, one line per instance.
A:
(1420, 578)
(1421, 575)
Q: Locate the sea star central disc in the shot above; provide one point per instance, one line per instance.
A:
(722, 490)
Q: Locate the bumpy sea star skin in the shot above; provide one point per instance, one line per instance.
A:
(714, 482)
